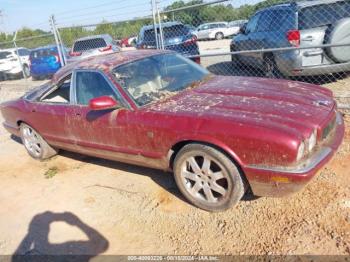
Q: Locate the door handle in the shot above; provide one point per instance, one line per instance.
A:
(33, 110)
(308, 38)
(77, 114)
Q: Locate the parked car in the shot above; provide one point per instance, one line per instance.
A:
(10, 63)
(92, 46)
(128, 41)
(217, 30)
(45, 61)
(177, 37)
(237, 23)
(218, 134)
(297, 24)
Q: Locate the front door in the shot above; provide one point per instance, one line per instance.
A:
(102, 129)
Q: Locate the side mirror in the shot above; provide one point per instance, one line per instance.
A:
(243, 28)
(103, 103)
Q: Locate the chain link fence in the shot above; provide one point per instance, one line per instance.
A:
(299, 40)
(18, 55)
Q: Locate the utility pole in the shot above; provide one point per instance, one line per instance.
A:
(54, 30)
(154, 23)
(160, 25)
(18, 56)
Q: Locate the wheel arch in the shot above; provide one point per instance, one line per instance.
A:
(222, 147)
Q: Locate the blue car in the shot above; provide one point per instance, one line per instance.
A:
(44, 62)
(177, 37)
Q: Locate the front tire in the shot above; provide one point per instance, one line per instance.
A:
(219, 36)
(208, 178)
(35, 145)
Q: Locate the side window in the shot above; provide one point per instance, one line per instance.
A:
(59, 93)
(265, 21)
(23, 52)
(90, 85)
(252, 24)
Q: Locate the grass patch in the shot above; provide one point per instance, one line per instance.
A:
(51, 172)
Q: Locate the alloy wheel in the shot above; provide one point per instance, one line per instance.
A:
(32, 141)
(205, 179)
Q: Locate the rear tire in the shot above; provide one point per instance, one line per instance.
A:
(270, 67)
(35, 145)
(26, 70)
(208, 178)
(219, 36)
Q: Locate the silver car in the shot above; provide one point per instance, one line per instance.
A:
(92, 46)
(297, 24)
(217, 30)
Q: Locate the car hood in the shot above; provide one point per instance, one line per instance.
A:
(270, 103)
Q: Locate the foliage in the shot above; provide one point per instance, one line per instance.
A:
(192, 16)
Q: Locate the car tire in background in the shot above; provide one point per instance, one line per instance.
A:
(219, 36)
(208, 178)
(270, 67)
(26, 70)
(35, 145)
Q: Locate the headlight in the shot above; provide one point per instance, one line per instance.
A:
(301, 151)
(312, 140)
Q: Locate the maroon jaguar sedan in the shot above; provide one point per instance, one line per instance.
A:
(219, 135)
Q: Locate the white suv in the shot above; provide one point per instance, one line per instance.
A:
(217, 30)
(10, 65)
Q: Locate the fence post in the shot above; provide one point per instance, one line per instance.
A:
(54, 30)
(18, 56)
(154, 23)
(160, 26)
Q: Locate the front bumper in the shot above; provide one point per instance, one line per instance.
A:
(282, 181)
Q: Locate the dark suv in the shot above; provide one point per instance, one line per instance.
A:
(177, 37)
(304, 23)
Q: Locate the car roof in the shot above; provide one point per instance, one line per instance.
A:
(44, 47)
(300, 4)
(12, 49)
(107, 62)
(104, 36)
(166, 24)
(211, 23)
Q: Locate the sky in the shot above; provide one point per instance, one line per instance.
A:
(35, 13)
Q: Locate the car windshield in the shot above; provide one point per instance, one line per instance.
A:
(324, 14)
(157, 77)
(4, 55)
(88, 44)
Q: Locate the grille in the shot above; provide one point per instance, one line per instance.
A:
(328, 129)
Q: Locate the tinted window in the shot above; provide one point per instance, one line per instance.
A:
(43, 53)
(273, 20)
(325, 14)
(156, 77)
(168, 32)
(84, 45)
(90, 85)
(4, 55)
(23, 52)
(252, 24)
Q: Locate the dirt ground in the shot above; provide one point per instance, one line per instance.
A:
(78, 204)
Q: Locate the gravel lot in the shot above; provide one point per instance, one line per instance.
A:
(78, 204)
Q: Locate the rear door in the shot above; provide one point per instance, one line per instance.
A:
(51, 114)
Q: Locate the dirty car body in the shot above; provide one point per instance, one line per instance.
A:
(278, 133)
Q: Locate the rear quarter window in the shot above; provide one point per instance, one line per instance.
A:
(88, 44)
(324, 14)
